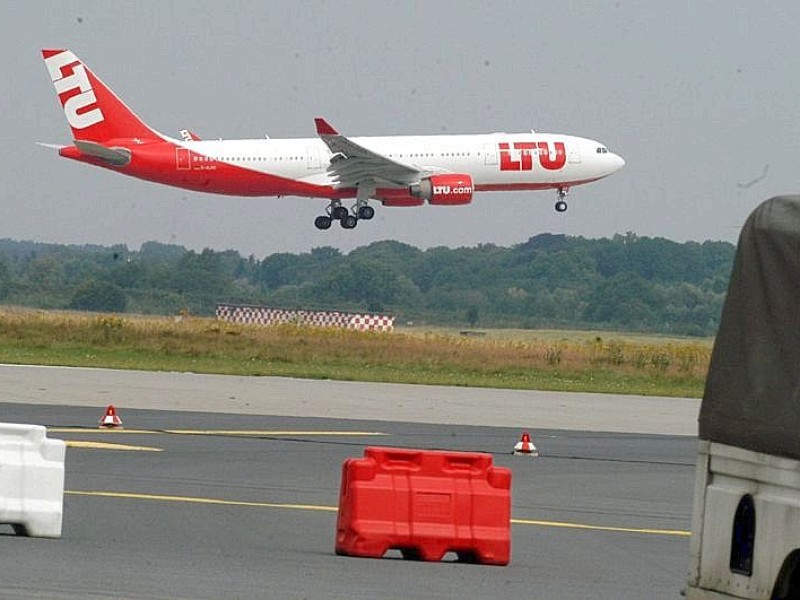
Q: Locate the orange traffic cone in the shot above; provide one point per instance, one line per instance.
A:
(525, 446)
(111, 418)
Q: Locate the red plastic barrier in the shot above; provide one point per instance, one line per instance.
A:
(425, 504)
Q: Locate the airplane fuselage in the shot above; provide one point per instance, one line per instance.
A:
(299, 167)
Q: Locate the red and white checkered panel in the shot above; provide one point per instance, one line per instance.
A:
(262, 315)
(371, 322)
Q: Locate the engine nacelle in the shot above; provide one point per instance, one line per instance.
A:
(447, 189)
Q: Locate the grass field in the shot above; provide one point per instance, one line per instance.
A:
(518, 359)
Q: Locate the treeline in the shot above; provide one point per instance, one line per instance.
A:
(551, 281)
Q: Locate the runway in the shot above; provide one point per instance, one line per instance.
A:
(348, 399)
(210, 513)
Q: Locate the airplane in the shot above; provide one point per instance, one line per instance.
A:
(396, 171)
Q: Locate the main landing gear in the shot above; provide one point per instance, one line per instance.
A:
(346, 218)
(561, 206)
(349, 219)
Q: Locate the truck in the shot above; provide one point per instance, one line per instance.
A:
(746, 522)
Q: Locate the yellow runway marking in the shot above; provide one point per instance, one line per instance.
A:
(244, 433)
(675, 532)
(320, 508)
(105, 446)
(194, 500)
(268, 433)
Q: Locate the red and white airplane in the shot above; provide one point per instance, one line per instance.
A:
(397, 170)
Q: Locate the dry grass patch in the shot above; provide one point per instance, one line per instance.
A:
(584, 362)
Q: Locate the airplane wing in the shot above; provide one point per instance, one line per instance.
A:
(352, 163)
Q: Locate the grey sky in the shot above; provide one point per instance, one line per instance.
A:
(698, 97)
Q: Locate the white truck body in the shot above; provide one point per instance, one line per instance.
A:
(725, 475)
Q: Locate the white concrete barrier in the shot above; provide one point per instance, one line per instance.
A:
(31, 480)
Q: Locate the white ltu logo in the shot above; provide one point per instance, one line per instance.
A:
(447, 190)
(75, 80)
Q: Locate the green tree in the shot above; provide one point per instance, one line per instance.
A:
(365, 283)
(5, 278)
(99, 296)
(627, 300)
(202, 274)
(278, 270)
(627, 281)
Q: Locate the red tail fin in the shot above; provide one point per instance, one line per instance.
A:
(93, 111)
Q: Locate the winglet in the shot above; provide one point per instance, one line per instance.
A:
(324, 128)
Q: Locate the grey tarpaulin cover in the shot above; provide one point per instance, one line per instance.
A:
(752, 395)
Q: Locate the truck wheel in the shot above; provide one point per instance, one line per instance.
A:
(787, 587)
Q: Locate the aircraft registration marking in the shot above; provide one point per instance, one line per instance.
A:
(323, 508)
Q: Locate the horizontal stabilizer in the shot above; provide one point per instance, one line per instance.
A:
(51, 146)
(189, 136)
(118, 157)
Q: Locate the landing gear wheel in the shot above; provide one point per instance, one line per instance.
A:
(562, 192)
(366, 213)
(348, 222)
(339, 212)
(322, 222)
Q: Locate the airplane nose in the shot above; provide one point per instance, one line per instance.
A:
(619, 162)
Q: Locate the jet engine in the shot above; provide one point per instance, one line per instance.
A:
(446, 189)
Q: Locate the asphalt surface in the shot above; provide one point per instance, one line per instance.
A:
(348, 400)
(598, 515)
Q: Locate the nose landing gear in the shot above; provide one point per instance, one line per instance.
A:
(561, 205)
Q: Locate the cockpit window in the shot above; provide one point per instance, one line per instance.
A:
(602, 150)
